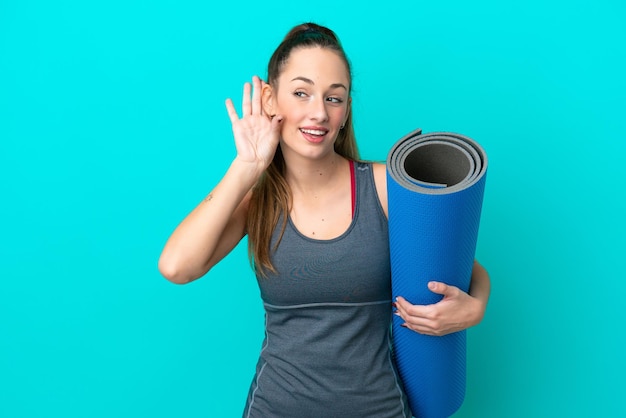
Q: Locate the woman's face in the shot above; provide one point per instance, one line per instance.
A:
(313, 96)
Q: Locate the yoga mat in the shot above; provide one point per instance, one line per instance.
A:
(435, 186)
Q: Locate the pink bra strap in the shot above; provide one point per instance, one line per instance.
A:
(352, 186)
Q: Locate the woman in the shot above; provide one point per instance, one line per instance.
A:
(316, 219)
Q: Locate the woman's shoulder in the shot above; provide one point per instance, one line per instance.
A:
(380, 180)
(376, 166)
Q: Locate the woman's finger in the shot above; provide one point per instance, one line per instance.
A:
(276, 121)
(408, 309)
(245, 101)
(232, 113)
(256, 95)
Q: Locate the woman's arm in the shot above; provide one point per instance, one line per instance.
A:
(211, 230)
(455, 312)
(480, 288)
(218, 223)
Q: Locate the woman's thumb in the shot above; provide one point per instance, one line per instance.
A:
(276, 122)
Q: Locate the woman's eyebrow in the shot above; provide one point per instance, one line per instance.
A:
(309, 81)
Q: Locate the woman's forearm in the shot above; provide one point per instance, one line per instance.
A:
(212, 229)
(480, 288)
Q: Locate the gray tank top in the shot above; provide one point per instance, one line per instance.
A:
(327, 349)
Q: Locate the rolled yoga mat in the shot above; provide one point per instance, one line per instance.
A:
(435, 186)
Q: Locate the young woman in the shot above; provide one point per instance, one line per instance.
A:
(316, 220)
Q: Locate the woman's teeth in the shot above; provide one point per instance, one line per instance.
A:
(313, 131)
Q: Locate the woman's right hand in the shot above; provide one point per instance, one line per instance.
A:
(256, 134)
(218, 223)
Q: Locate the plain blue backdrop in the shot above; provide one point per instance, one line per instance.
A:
(113, 127)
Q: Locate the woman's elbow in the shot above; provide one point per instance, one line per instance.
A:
(173, 272)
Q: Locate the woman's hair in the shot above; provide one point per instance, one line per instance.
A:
(271, 196)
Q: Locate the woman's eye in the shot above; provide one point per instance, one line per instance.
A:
(335, 100)
(299, 94)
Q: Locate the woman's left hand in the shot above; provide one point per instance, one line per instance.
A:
(455, 312)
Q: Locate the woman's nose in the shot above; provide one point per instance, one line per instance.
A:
(318, 110)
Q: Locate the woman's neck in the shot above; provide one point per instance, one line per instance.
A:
(312, 176)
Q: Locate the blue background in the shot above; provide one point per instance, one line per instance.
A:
(113, 127)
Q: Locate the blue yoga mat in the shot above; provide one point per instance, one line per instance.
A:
(435, 186)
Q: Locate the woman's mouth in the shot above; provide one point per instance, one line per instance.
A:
(315, 135)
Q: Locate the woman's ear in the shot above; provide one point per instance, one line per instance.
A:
(267, 99)
(348, 110)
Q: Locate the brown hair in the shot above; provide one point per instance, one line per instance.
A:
(271, 196)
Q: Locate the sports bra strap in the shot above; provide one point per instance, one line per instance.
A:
(352, 186)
